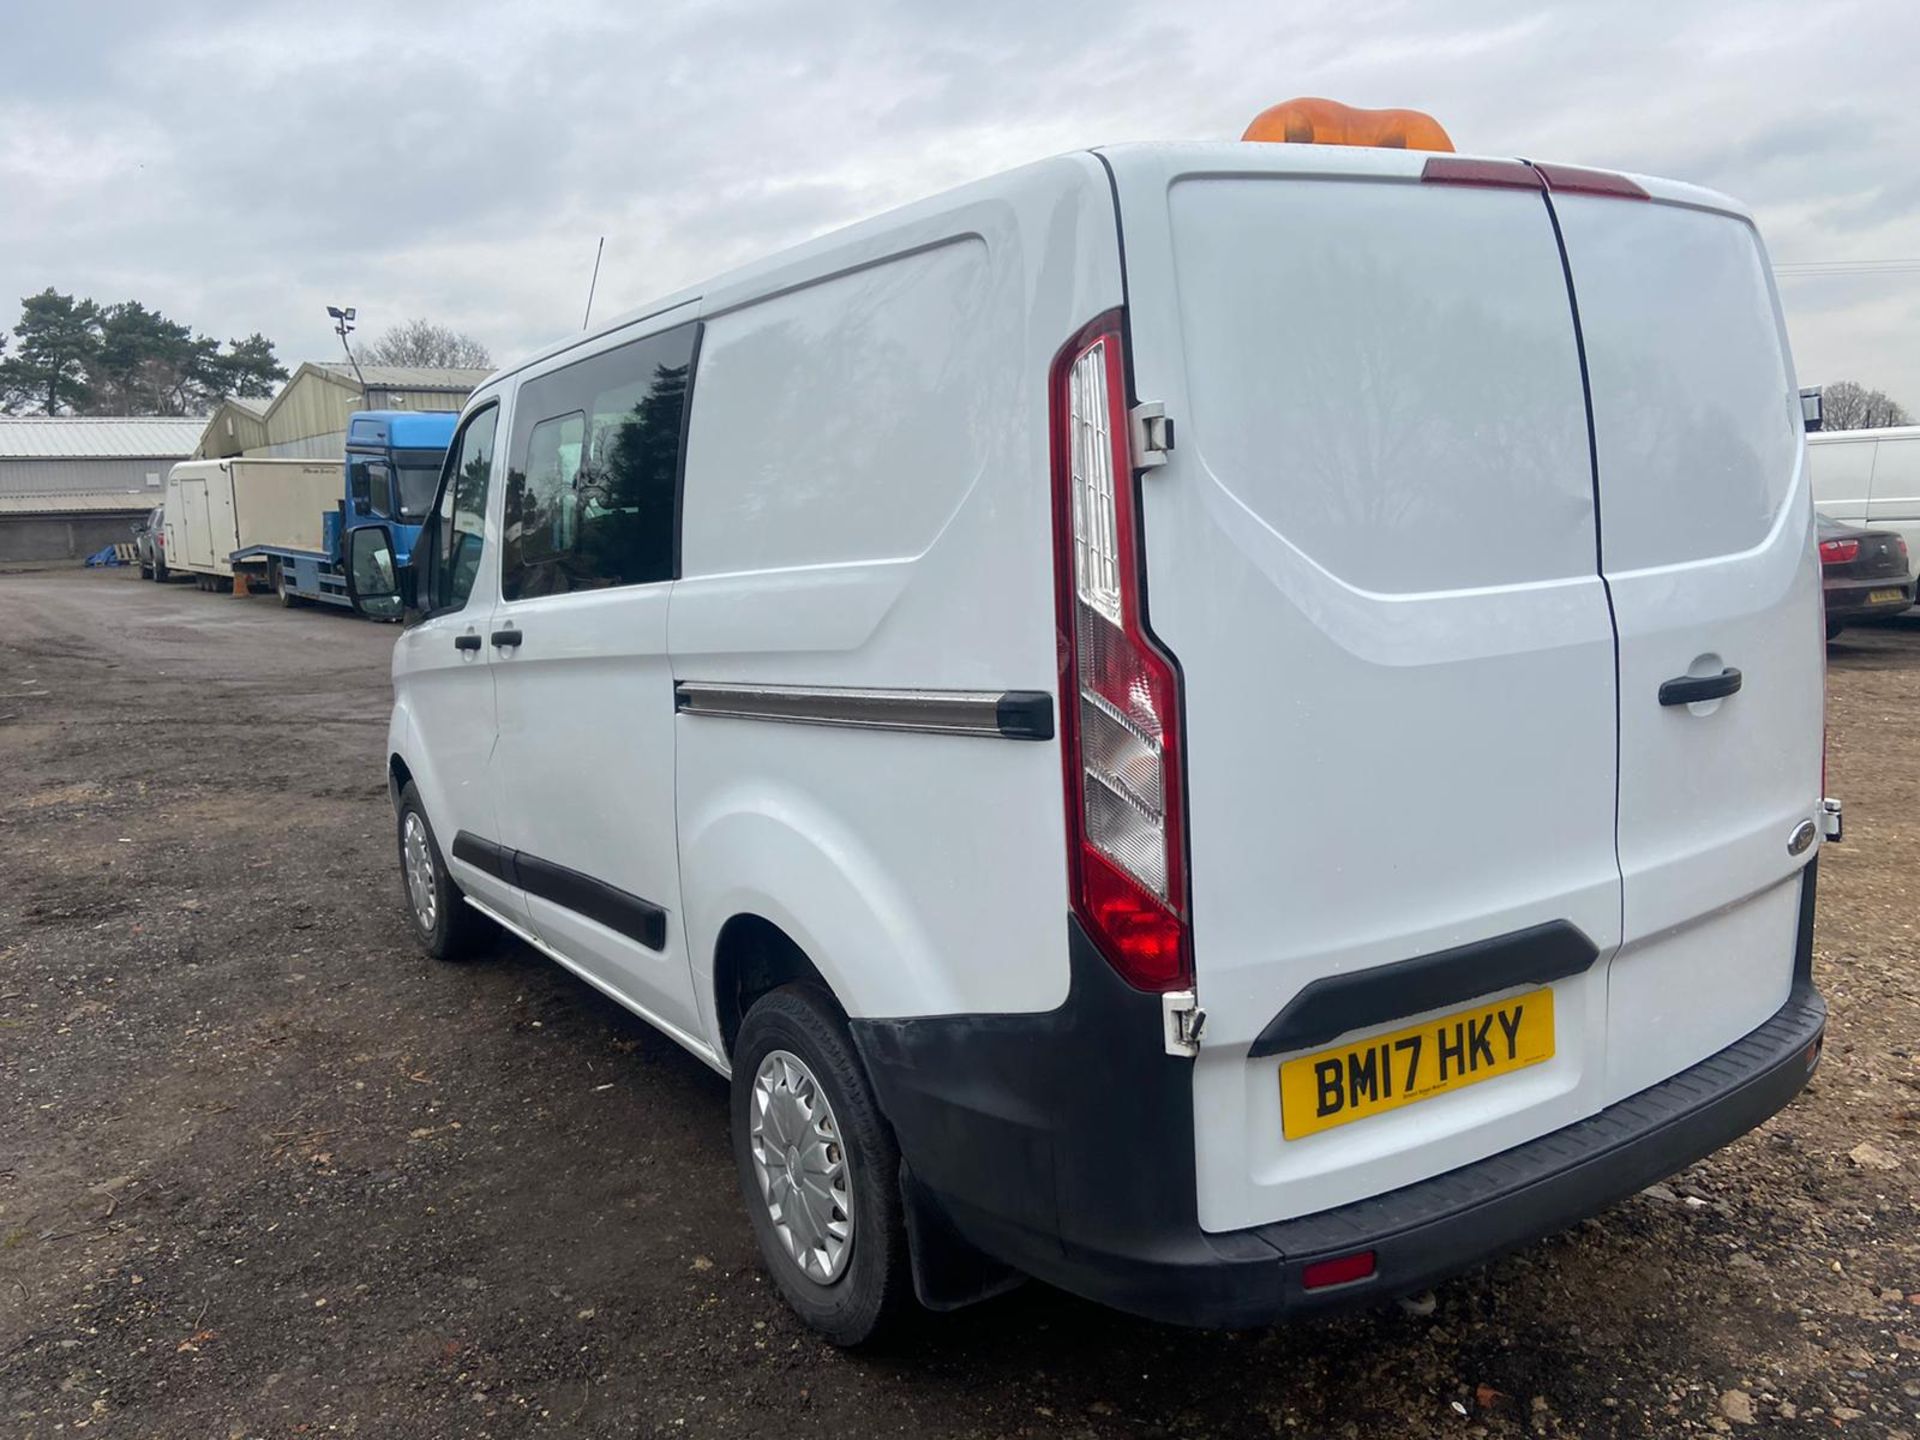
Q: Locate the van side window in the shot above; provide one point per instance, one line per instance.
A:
(592, 470)
(463, 512)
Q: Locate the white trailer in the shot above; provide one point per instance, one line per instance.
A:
(216, 507)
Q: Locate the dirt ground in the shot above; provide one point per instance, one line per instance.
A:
(264, 1171)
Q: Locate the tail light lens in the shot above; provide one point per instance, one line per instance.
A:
(1120, 695)
(1838, 552)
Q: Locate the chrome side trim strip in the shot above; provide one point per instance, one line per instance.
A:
(1005, 714)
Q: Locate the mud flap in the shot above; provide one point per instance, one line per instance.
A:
(948, 1273)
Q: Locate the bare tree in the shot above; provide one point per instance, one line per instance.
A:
(421, 342)
(1845, 405)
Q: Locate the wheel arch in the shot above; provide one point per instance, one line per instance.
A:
(756, 881)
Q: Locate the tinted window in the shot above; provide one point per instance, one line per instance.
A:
(463, 512)
(592, 470)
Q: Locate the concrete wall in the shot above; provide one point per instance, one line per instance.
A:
(63, 537)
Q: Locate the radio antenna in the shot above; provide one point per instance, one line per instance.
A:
(594, 283)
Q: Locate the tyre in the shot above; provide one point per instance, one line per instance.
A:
(445, 925)
(288, 600)
(146, 572)
(1834, 628)
(834, 1238)
(160, 572)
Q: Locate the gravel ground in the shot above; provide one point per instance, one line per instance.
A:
(264, 1171)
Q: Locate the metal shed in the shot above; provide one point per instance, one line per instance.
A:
(308, 418)
(71, 484)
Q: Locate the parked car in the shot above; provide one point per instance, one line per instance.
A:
(1869, 477)
(1864, 574)
(1097, 699)
(150, 543)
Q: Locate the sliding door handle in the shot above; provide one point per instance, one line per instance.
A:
(506, 638)
(1692, 689)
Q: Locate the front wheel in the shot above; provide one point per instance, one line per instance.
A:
(819, 1169)
(445, 925)
(1834, 628)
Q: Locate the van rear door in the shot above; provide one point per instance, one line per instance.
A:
(1374, 554)
(1707, 546)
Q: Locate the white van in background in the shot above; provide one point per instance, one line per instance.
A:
(1869, 478)
(1234, 727)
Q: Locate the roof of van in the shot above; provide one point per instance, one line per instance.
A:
(1891, 432)
(1197, 157)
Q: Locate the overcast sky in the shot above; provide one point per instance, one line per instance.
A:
(242, 168)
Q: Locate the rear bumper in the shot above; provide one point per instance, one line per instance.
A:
(1849, 601)
(1062, 1147)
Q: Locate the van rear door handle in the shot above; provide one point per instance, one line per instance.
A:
(468, 641)
(504, 638)
(1692, 689)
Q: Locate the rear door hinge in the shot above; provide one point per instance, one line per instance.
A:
(1151, 430)
(1184, 1021)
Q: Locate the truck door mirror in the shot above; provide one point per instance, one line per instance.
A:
(377, 586)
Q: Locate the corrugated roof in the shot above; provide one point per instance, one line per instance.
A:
(72, 437)
(133, 502)
(407, 377)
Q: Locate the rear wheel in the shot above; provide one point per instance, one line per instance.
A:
(159, 570)
(445, 925)
(1834, 627)
(819, 1168)
(288, 600)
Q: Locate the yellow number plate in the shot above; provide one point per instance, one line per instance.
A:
(1370, 1077)
(1885, 597)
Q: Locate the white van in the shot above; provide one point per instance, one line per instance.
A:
(1869, 478)
(1233, 727)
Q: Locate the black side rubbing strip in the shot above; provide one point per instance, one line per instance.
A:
(496, 860)
(637, 919)
(1025, 715)
(1335, 1004)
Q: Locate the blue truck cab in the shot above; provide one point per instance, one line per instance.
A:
(391, 470)
(392, 467)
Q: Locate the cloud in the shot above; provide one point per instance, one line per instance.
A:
(241, 170)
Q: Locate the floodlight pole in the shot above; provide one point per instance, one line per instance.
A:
(343, 327)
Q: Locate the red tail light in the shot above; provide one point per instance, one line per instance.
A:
(1119, 693)
(1838, 552)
